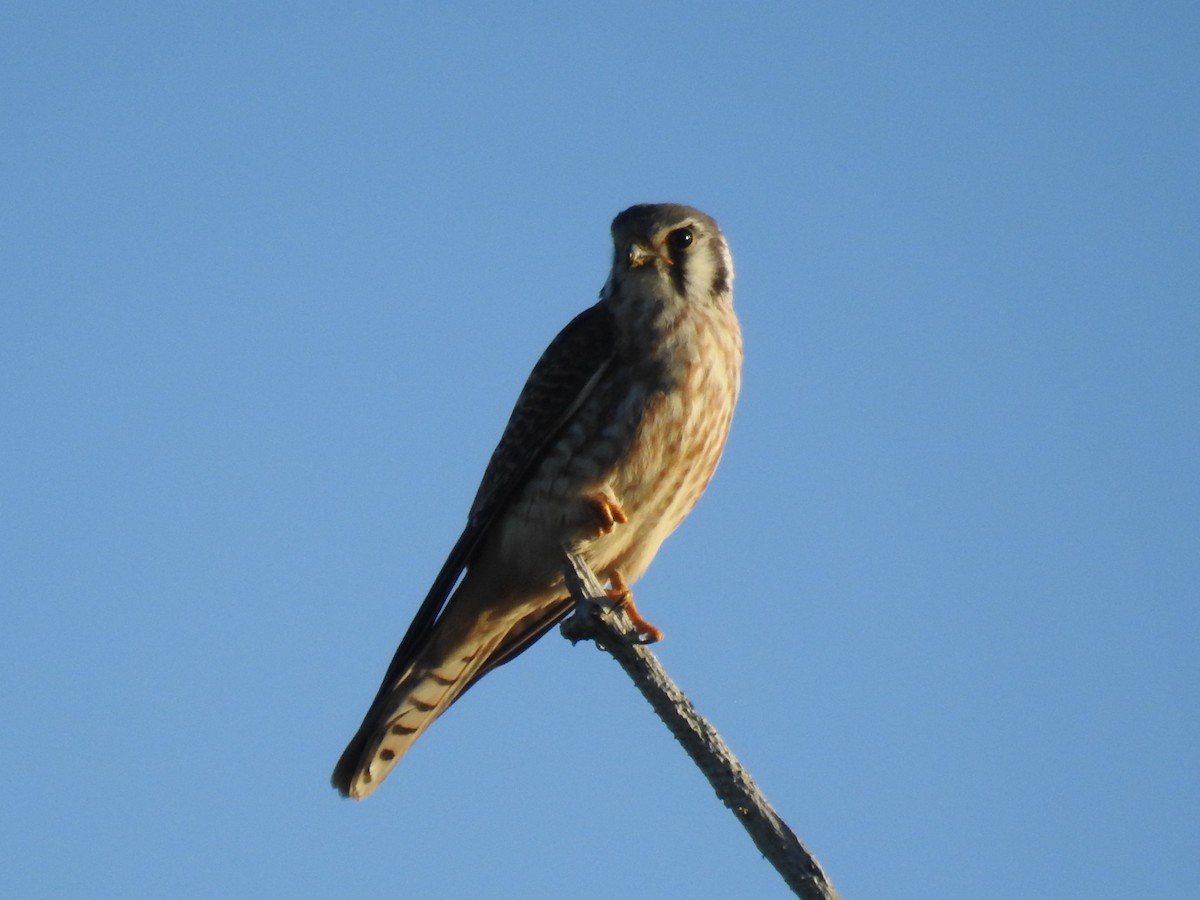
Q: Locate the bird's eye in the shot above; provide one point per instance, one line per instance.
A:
(679, 240)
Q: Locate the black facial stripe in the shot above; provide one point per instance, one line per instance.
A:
(679, 255)
(720, 282)
(677, 273)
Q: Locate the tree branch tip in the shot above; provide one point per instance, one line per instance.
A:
(597, 618)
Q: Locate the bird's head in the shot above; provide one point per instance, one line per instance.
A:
(665, 252)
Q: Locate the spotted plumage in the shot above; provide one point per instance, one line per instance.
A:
(612, 440)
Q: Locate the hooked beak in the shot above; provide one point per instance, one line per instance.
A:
(640, 254)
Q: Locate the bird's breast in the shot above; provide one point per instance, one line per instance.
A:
(649, 437)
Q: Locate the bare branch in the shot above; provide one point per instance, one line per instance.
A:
(598, 618)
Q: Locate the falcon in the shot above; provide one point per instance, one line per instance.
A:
(612, 441)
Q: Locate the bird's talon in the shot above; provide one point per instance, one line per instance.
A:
(608, 513)
(622, 596)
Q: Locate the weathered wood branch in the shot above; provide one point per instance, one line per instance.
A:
(599, 619)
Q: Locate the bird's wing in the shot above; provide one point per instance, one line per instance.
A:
(560, 381)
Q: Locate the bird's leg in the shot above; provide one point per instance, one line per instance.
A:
(606, 511)
(620, 592)
(609, 515)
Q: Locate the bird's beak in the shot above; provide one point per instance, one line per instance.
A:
(640, 254)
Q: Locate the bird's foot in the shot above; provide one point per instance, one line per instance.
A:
(608, 514)
(620, 592)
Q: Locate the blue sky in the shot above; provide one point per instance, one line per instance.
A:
(272, 277)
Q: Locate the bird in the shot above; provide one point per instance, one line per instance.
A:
(612, 440)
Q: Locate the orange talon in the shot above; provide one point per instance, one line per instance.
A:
(620, 592)
(608, 514)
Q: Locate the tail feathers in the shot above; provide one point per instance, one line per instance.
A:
(401, 715)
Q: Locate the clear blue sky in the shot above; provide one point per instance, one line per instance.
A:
(271, 277)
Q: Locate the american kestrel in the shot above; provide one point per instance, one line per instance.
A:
(613, 439)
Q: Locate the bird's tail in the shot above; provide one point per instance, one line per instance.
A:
(401, 714)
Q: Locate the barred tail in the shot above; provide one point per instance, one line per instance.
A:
(399, 716)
